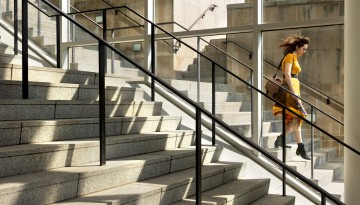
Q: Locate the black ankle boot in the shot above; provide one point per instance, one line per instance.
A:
(301, 151)
(279, 142)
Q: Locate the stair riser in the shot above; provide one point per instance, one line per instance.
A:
(68, 93)
(220, 97)
(33, 131)
(53, 75)
(191, 86)
(171, 141)
(325, 179)
(229, 107)
(72, 111)
(6, 49)
(235, 118)
(44, 40)
(56, 156)
(251, 196)
(187, 190)
(76, 185)
(81, 185)
(245, 129)
(193, 73)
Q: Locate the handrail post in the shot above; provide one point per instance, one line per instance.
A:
(312, 143)
(16, 28)
(198, 69)
(112, 54)
(198, 156)
(104, 24)
(38, 19)
(102, 66)
(323, 199)
(58, 41)
(213, 101)
(25, 52)
(284, 150)
(153, 71)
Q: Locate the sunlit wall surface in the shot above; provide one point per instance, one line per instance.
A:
(300, 10)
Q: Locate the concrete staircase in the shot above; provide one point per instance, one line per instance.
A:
(205, 75)
(50, 146)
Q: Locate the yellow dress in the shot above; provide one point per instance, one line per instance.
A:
(296, 69)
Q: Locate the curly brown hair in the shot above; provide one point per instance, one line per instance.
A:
(292, 42)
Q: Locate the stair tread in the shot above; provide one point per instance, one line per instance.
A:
(174, 179)
(89, 120)
(118, 195)
(147, 187)
(92, 168)
(60, 84)
(68, 102)
(228, 192)
(272, 199)
(23, 149)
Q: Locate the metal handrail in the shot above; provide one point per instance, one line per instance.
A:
(199, 109)
(138, 24)
(312, 87)
(92, 21)
(210, 8)
(173, 22)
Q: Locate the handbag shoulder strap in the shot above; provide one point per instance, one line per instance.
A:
(279, 67)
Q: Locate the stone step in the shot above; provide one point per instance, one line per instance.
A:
(337, 189)
(37, 131)
(225, 107)
(65, 91)
(44, 40)
(5, 49)
(245, 128)
(71, 182)
(50, 49)
(219, 96)
(26, 158)
(235, 118)
(291, 152)
(56, 75)
(46, 22)
(192, 72)
(322, 177)
(240, 191)
(44, 31)
(187, 85)
(337, 167)
(220, 80)
(47, 110)
(118, 69)
(272, 199)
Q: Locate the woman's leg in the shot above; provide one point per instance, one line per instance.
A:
(297, 131)
(298, 138)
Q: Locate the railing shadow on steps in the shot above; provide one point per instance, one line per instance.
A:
(103, 44)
